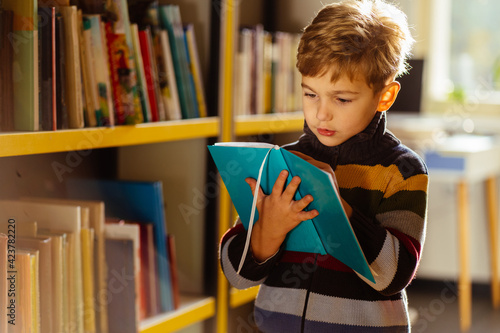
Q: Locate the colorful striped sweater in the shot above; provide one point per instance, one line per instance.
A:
(386, 184)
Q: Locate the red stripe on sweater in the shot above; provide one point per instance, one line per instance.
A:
(325, 261)
(411, 244)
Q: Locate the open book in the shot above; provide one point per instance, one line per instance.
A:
(328, 233)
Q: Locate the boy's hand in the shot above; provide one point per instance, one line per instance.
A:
(279, 213)
(327, 168)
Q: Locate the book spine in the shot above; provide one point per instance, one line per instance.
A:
(60, 78)
(24, 40)
(141, 76)
(73, 67)
(170, 90)
(145, 42)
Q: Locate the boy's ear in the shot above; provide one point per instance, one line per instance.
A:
(388, 96)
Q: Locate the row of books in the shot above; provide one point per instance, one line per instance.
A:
(98, 262)
(62, 66)
(266, 79)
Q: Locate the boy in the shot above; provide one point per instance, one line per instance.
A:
(349, 57)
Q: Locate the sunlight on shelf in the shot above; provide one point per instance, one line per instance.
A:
(191, 311)
(25, 143)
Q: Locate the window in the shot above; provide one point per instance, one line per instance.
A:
(475, 45)
(464, 51)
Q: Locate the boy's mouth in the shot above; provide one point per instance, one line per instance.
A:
(325, 132)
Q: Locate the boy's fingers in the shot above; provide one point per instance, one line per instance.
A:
(251, 182)
(307, 215)
(279, 184)
(304, 202)
(290, 190)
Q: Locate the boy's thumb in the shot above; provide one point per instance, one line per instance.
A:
(251, 182)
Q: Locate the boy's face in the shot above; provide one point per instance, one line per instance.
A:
(337, 111)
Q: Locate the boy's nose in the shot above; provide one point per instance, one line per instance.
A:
(324, 113)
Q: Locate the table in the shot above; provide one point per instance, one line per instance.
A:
(462, 160)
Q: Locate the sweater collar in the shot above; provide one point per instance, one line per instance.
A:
(363, 145)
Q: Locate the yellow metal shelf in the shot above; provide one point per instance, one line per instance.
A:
(240, 297)
(192, 310)
(26, 143)
(269, 123)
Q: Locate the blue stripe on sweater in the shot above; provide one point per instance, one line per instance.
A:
(275, 322)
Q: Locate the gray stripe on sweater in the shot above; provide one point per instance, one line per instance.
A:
(386, 264)
(235, 279)
(406, 221)
(333, 310)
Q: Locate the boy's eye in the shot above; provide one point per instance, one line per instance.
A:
(343, 101)
(310, 95)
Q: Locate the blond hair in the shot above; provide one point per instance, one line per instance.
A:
(358, 38)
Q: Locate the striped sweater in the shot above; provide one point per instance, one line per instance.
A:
(386, 185)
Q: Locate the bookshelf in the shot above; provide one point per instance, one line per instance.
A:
(27, 143)
(191, 311)
(17, 145)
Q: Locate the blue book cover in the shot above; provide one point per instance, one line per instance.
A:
(328, 233)
(170, 20)
(132, 200)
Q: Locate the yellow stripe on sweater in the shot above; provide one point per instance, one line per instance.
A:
(387, 179)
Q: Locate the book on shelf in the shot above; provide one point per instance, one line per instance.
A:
(59, 281)
(148, 286)
(62, 117)
(150, 72)
(73, 71)
(88, 275)
(194, 64)
(183, 206)
(266, 79)
(141, 74)
(286, 77)
(149, 261)
(59, 218)
(101, 69)
(166, 75)
(172, 256)
(47, 68)
(123, 262)
(127, 102)
(27, 317)
(243, 72)
(44, 248)
(170, 20)
(96, 73)
(328, 233)
(24, 41)
(80, 69)
(91, 102)
(138, 201)
(93, 220)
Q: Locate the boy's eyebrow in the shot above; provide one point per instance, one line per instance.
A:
(333, 92)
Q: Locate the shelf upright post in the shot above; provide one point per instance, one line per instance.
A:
(229, 10)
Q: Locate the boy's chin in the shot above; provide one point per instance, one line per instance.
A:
(329, 141)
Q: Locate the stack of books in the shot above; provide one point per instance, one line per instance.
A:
(67, 66)
(266, 79)
(98, 261)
